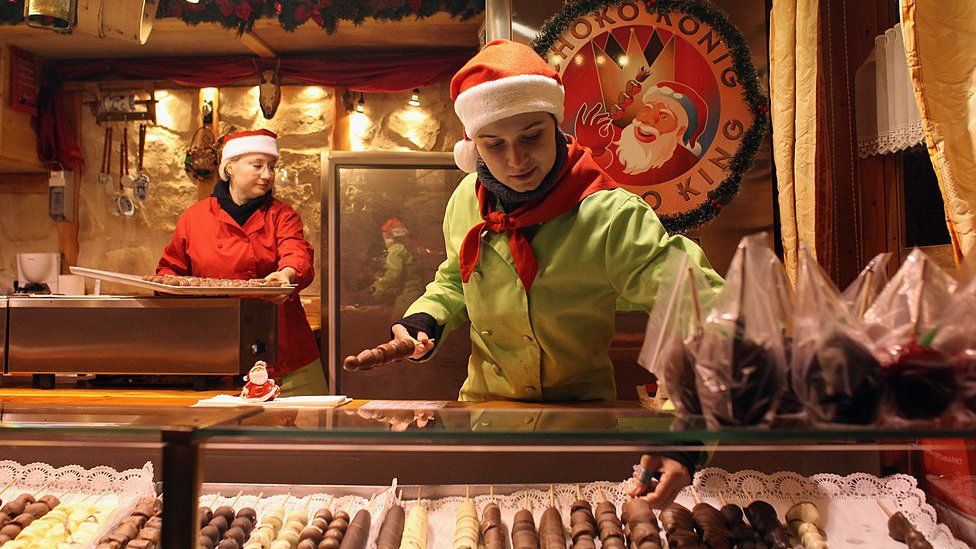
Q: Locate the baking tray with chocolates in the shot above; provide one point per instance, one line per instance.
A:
(188, 285)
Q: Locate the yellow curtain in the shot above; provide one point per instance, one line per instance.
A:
(940, 43)
(793, 63)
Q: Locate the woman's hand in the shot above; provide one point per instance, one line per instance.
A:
(284, 277)
(659, 493)
(422, 345)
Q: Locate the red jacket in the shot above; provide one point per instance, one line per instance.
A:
(207, 242)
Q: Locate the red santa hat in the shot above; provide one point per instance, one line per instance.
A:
(504, 79)
(394, 227)
(256, 141)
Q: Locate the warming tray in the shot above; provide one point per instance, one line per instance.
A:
(138, 282)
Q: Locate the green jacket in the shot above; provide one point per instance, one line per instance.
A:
(400, 281)
(552, 344)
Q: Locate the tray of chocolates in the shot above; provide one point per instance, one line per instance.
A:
(189, 285)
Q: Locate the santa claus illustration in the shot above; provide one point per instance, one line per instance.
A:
(659, 144)
(259, 388)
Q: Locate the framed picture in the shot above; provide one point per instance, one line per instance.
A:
(384, 213)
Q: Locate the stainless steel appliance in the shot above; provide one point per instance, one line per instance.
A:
(138, 335)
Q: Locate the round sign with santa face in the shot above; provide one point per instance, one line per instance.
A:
(665, 94)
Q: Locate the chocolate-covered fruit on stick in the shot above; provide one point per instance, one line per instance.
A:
(386, 353)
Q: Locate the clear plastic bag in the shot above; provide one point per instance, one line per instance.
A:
(833, 371)
(903, 322)
(957, 340)
(674, 327)
(861, 293)
(740, 364)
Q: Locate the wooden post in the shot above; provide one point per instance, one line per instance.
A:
(340, 130)
(68, 242)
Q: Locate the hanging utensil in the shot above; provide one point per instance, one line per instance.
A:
(141, 184)
(124, 178)
(123, 204)
(105, 176)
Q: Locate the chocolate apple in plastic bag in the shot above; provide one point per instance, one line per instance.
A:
(903, 321)
(674, 327)
(740, 364)
(833, 369)
(956, 339)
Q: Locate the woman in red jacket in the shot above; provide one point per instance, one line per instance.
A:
(241, 231)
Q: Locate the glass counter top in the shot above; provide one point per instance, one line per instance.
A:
(109, 420)
(500, 423)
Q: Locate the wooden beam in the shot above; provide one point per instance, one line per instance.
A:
(254, 43)
(23, 183)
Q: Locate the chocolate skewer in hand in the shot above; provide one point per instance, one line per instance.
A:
(643, 530)
(582, 523)
(492, 527)
(900, 529)
(611, 529)
(393, 351)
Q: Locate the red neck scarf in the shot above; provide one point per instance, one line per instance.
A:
(579, 177)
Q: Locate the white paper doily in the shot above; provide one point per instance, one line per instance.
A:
(74, 483)
(854, 498)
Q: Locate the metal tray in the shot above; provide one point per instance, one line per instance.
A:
(138, 282)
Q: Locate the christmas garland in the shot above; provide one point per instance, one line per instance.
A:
(241, 14)
(704, 12)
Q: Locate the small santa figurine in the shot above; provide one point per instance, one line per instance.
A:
(259, 388)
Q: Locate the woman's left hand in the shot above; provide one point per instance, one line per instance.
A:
(673, 477)
(285, 276)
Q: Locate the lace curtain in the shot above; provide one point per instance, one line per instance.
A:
(887, 115)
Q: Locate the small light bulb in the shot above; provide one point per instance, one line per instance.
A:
(414, 98)
(360, 105)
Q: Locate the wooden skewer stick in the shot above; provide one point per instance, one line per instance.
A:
(491, 493)
(331, 501)
(467, 491)
(721, 498)
(9, 484)
(603, 497)
(579, 494)
(399, 497)
(285, 502)
(214, 502)
(697, 496)
(552, 496)
(885, 508)
(307, 503)
(237, 498)
(41, 491)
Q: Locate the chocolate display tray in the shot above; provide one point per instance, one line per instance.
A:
(851, 516)
(138, 282)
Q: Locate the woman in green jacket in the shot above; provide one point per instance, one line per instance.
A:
(541, 246)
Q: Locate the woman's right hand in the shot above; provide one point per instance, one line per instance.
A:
(422, 344)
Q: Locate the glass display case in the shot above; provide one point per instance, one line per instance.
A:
(517, 455)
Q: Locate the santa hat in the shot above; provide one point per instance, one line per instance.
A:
(694, 108)
(257, 141)
(503, 79)
(394, 227)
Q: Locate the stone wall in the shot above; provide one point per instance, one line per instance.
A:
(304, 122)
